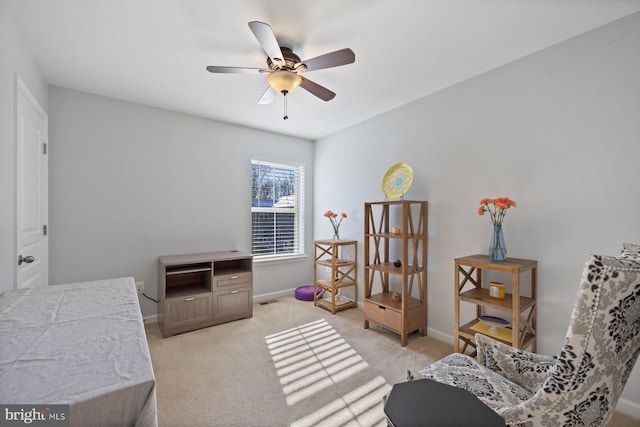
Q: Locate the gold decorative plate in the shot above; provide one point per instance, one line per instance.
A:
(397, 180)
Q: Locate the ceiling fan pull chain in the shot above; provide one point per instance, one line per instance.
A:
(285, 117)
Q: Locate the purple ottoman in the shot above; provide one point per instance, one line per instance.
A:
(305, 293)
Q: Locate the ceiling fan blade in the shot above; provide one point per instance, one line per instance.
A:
(267, 40)
(317, 90)
(241, 70)
(332, 59)
(268, 96)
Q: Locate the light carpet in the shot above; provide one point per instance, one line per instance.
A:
(291, 364)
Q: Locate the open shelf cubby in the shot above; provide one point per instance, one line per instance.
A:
(187, 279)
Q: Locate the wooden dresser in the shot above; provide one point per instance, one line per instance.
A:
(200, 290)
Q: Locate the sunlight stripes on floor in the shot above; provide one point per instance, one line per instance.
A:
(313, 357)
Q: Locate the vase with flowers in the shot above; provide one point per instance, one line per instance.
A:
(335, 222)
(497, 209)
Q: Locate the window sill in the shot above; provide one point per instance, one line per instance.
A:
(279, 259)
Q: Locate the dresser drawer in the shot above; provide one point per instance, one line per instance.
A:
(382, 315)
(232, 280)
(236, 303)
(186, 311)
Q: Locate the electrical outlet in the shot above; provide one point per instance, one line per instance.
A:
(140, 287)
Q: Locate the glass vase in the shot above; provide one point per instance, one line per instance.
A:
(336, 234)
(497, 248)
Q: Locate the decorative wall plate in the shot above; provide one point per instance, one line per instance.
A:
(397, 180)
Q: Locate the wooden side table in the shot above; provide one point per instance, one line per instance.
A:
(468, 271)
(343, 274)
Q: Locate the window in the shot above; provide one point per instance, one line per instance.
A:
(277, 210)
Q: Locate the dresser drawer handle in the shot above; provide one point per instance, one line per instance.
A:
(235, 291)
(234, 276)
(189, 299)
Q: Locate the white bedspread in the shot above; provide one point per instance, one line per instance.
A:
(81, 344)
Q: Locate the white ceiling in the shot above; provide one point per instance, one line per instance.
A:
(154, 52)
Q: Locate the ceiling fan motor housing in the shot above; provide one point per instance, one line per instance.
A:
(290, 59)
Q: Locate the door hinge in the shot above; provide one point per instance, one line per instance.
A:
(44, 148)
(45, 230)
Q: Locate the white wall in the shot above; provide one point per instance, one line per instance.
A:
(129, 183)
(557, 131)
(14, 60)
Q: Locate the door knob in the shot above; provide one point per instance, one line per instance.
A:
(28, 259)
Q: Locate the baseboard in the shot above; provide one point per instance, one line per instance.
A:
(628, 408)
(273, 295)
(150, 319)
(440, 336)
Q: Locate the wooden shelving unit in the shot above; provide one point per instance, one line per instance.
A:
(343, 273)
(405, 310)
(522, 309)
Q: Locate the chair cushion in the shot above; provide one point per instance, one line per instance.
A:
(465, 372)
(526, 369)
(630, 252)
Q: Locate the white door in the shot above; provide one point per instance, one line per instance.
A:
(31, 190)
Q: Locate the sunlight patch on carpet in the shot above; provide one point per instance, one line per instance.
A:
(362, 405)
(310, 358)
(313, 357)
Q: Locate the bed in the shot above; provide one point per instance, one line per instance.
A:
(82, 345)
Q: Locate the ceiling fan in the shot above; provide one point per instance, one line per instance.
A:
(285, 67)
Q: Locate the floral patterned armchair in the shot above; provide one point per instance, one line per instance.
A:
(579, 387)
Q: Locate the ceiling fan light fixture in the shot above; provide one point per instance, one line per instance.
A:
(284, 81)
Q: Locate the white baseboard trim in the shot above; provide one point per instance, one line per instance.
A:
(150, 319)
(440, 336)
(273, 295)
(628, 408)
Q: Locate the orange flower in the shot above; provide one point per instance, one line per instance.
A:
(505, 201)
(497, 208)
(335, 224)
